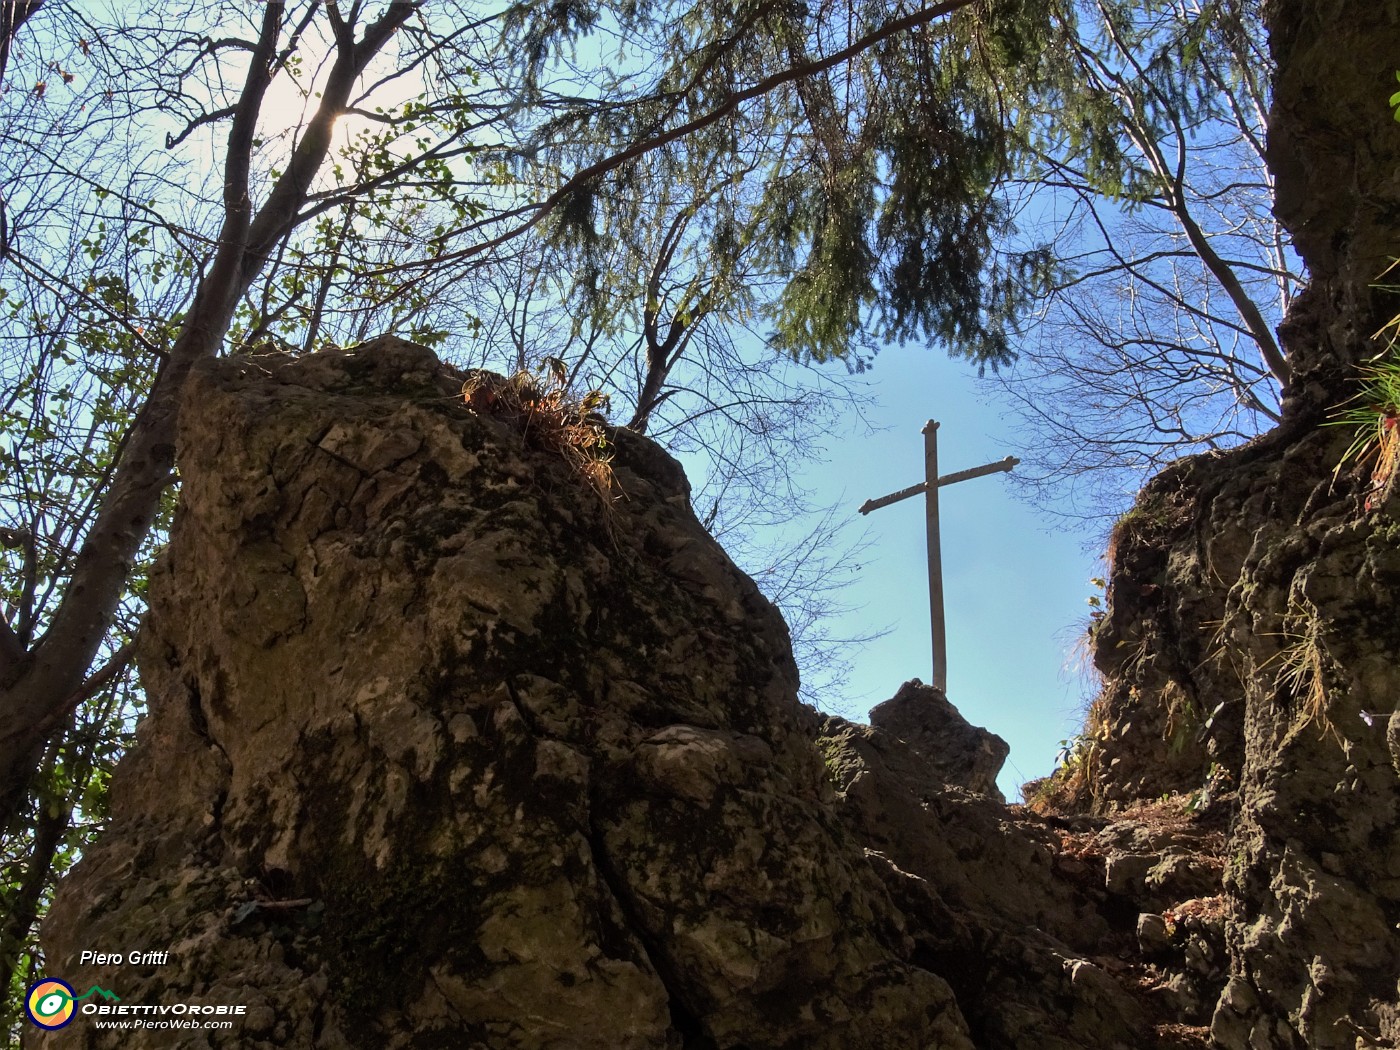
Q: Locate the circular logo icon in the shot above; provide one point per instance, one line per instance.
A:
(49, 1003)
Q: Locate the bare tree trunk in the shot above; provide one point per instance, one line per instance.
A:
(44, 685)
(40, 686)
(663, 351)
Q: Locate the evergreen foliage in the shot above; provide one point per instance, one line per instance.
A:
(625, 188)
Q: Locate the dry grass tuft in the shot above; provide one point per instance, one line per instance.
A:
(1375, 413)
(1302, 674)
(549, 418)
(1377, 423)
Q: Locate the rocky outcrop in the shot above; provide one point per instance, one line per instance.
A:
(454, 741)
(1286, 725)
(936, 745)
(1025, 943)
(447, 749)
(1170, 717)
(1250, 641)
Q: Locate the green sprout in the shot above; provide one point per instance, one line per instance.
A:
(1374, 411)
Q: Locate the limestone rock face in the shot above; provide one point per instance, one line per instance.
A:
(445, 750)
(1251, 639)
(1278, 727)
(441, 751)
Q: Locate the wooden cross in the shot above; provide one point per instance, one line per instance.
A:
(929, 487)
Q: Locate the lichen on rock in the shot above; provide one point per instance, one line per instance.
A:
(437, 755)
(444, 750)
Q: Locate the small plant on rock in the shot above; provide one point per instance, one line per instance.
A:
(1377, 422)
(1074, 785)
(1375, 415)
(550, 418)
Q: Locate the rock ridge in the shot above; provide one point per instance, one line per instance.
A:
(443, 751)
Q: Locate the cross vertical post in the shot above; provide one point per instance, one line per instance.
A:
(937, 623)
(929, 487)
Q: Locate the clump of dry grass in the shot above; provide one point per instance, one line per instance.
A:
(1302, 673)
(1377, 423)
(1375, 413)
(551, 419)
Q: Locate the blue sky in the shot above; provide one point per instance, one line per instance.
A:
(1015, 579)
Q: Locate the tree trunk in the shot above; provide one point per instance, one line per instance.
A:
(39, 688)
(17, 928)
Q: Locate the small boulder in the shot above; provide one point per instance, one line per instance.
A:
(958, 752)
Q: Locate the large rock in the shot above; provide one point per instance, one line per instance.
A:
(444, 749)
(1251, 639)
(948, 748)
(988, 908)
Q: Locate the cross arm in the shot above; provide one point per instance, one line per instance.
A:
(947, 479)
